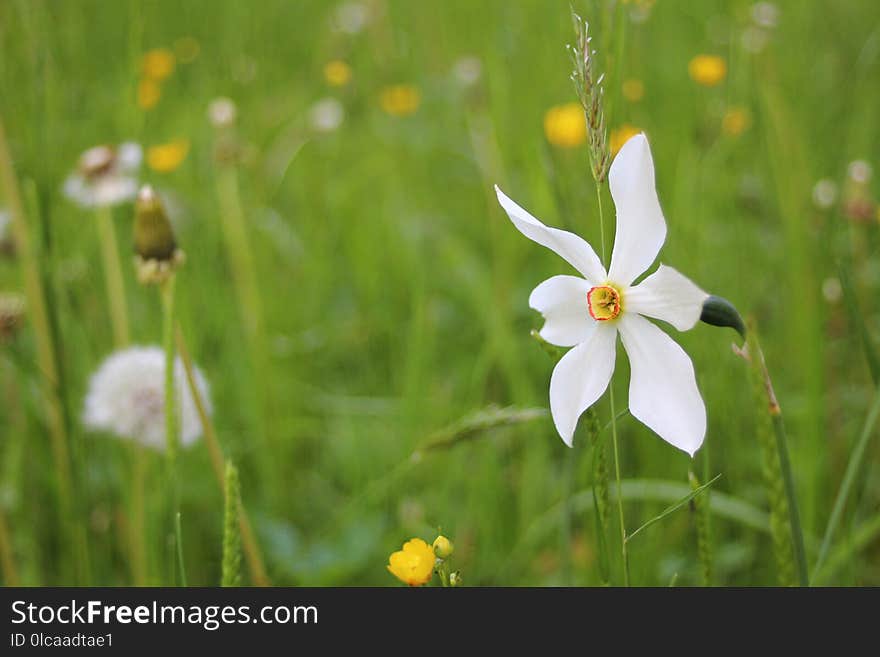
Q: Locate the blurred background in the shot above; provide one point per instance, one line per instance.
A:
(379, 296)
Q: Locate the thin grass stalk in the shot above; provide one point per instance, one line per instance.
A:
(704, 530)
(166, 293)
(785, 525)
(231, 573)
(215, 453)
(849, 477)
(113, 279)
(245, 280)
(137, 528)
(178, 542)
(46, 356)
(7, 555)
(599, 488)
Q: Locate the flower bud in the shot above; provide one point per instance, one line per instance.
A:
(443, 547)
(720, 312)
(455, 579)
(157, 255)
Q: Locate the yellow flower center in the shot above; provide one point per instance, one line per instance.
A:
(604, 303)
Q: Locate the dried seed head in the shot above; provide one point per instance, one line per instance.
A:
(157, 255)
(591, 94)
(11, 315)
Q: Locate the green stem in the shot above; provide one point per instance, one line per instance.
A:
(849, 477)
(166, 291)
(178, 539)
(113, 277)
(623, 552)
(794, 518)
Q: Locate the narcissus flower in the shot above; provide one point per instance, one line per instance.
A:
(414, 564)
(589, 311)
(127, 398)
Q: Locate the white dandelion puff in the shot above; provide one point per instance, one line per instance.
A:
(127, 398)
(467, 70)
(350, 17)
(222, 112)
(326, 115)
(824, 193)
(105, 176)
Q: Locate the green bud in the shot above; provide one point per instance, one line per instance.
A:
(720, 312)
(153, 235)
(455, 579)
(443, 547)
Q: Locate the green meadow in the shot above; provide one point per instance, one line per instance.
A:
(357, 300)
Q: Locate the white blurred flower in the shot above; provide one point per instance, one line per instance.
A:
(765, 14)
(127, 398)
(832, 290)
(467, 70)
(589, 311)
(326, 115)
(222, 112)
(824, 193)
(350, 17)
(859, 171)
(105, 176)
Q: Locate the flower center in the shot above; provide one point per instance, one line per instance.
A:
(603, 302)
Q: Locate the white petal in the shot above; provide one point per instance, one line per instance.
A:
(572, 248)
(563, 302)
(663, 392)
(641, 229)
(580, 378)
(667, 295)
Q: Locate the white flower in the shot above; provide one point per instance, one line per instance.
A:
(350, 17)
(467, 70)
(222, 112)
(326, 115)
(588, 312)
(127, 397)
(105, 176)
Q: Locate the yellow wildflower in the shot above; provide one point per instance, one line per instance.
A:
(148, 94)
(565, 125)
(736, 121)
(157, 64)
(400, 99)
(337, 73)
(633, 90)
(167, 157)
(187, 49)
(443, 547)
(621, 135)
(414, 564)
(707, 70)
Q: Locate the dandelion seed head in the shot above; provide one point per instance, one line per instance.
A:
(832, 290)
(765, 14)
(467, 70)
(222, 112)
(126, 397)
(105, 176)
(350, 18)
(326, 115)
(824, 193)
(859, 171)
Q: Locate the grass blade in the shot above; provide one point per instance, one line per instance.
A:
(675, 507)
